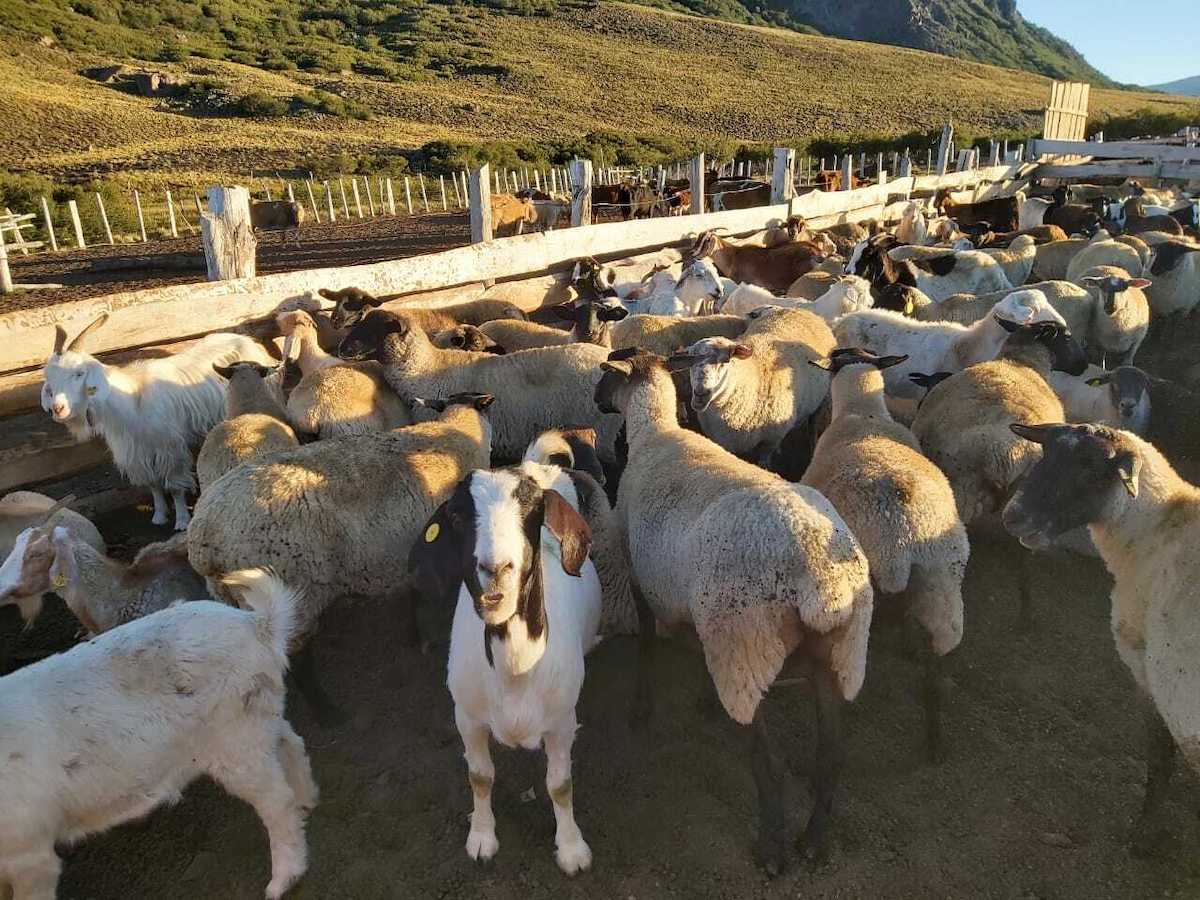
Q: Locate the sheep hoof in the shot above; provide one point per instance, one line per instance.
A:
(159, 519)
(574, 858)
(282, 881)
(813, 851)
(482, 846)
(770, 853)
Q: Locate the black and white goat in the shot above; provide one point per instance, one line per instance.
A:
(514, 546)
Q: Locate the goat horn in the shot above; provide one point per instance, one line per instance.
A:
(78, 341)
(60, 340)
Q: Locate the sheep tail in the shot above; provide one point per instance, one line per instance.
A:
(264, 592)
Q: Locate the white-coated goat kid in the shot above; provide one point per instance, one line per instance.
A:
(151, 413)
(528, 608)
(114, 727)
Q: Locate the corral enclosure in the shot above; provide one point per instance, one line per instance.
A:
(1045, 760)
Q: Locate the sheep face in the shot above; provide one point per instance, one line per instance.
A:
(1066, 353)
(590, 318)
(367, 338)
(1129, 394)
(26, 575)
(470, 338)
(1087, 473)
(352, 305)
(1110, 286)
(487, 537)
(712, 368)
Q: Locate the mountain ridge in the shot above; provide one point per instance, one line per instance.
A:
(1187, 87)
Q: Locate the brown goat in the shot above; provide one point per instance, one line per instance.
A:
(773, 268)
(1001, 213)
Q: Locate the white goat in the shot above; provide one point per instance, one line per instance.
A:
(113, 728)
(528, 610)
(697, 290)
(849, 294)
(151, 413)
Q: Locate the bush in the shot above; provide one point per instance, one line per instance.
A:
(260, 105)
(331, 105)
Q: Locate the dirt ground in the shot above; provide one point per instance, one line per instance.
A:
(1036, 800)
(105, 270)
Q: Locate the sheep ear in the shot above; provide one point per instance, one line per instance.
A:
(1008, 326)
(886, 362)
(1139, 283)
(1039, 434)
(678, 362)
(1097, 381)
(621, 367)
(608, 313)
(1129, 467)
(369, 300)
(436, 558)
(1092, 280)
(572, 531)
(742, 351)
(564, 311)
(225, 372)
(826, 364)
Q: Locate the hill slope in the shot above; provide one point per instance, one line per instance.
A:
(1189, 87)
(470, 74)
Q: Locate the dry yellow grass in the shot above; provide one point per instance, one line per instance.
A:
(613, 67)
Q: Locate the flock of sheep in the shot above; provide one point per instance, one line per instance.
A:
(756, 446)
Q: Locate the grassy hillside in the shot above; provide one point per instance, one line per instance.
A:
(638, 83)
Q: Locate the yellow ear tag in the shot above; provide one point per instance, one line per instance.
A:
(908, 306)
(60, 580)
(91, 392)
(432, 532)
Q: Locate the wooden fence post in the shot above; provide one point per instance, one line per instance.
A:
(227, 235)
(312, 200)
(291, 197)
(103, 219)
(442, 182)
(6, 282)
(995, 160)
(848, 171)
(50, 225)
(783, 179)
(408, 195)
(342, 191)
(370, 196)
(200, 207)
(480, 198)
(137, 204)
(391, 197)
(357, 197)
(553, 180)
(581, 198)
(329, 202)
(424, 197)
(171, 215)
(73, 209)
(943, 158)
(696, 183)
(457, 192)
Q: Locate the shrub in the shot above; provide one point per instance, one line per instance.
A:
(331, 105)
(260, 105)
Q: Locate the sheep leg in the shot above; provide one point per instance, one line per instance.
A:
(643, 698)
(303, 673)
(32, 875)
(182, 516)
(826, 767)
(571, 850)
(1160, 766)
(160, 506)
(482, 844)
(264, 785)
(770, 850)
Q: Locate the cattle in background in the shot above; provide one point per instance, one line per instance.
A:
(740, 195)
(511, 214)
(277, 215)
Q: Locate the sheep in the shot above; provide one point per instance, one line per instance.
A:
(809, 286)
(590, 324)
(150, 413)
(1122, 312)
(1017, 260)
(465, 337)
(1174, 277)
(665, 334)
(335, 398)
(1131, 217)
(985, 238)
(775, 269)
(352, 304)
(113, 728)
(545, 385)
(762, 569)
(963, 423)
(943, 272)
(22, 586)
(514, 336)
(1105, 253)
(939, 346)
(900, 508)
(527, 610)
(101, 592)
(277, 215)
(1144, 519)
(333, 515)
(849, 294)
(255, 423)
(1053, 259)
(751, 392)
(1119, 398)
(1073, 218)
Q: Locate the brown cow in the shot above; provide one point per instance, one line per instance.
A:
(510, 215)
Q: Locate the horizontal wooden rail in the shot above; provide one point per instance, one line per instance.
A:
(1120, 170)
(1116, 150)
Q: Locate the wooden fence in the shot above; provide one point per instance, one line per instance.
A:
(1148, 160)
(529, 270)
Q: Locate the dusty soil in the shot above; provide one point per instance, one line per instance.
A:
(125, 267)
(1035, 801)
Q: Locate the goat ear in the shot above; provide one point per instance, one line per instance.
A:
(572, 531)
(742, 351)
(369, 300)
(60, 340)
